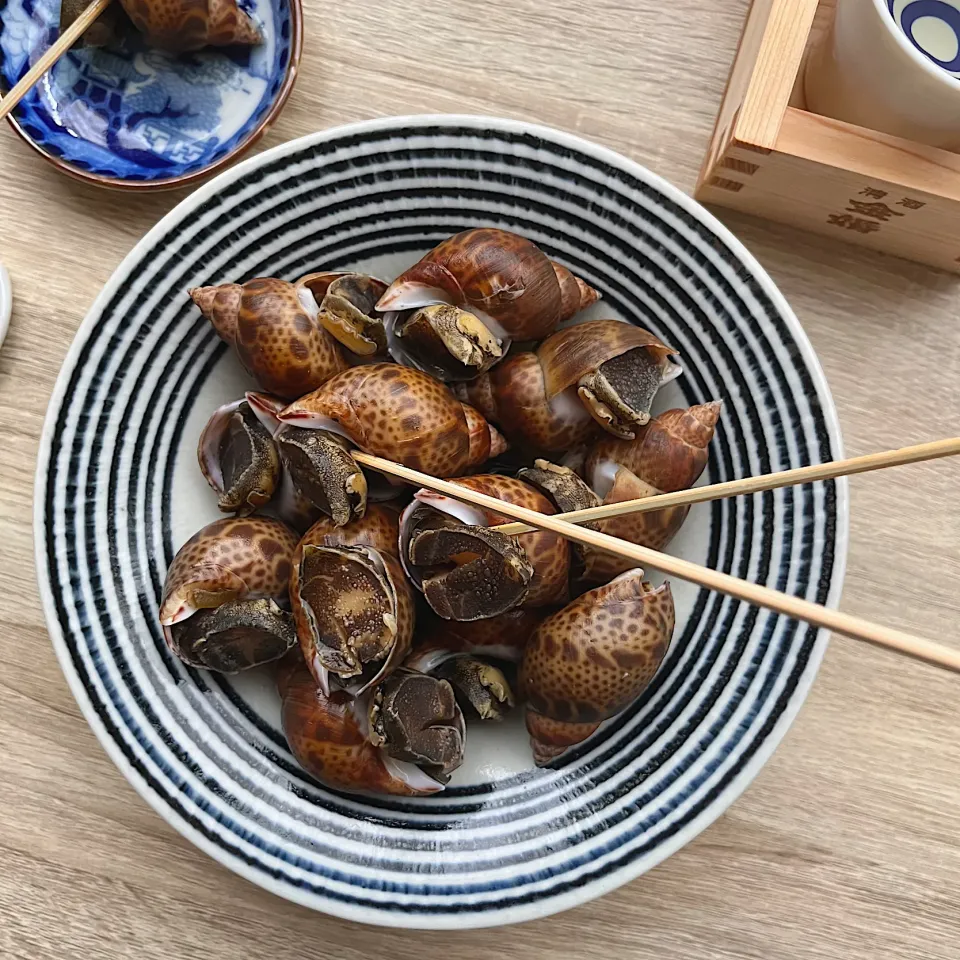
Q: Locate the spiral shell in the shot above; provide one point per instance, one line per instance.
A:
(330, 738)
(393, 412)
(502, 278)
(616, 368)
(273, 325)
(514, 396)
(590, 660)
(669, 453)
(222, 600)
(230, 559)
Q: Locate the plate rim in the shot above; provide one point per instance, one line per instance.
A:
(183, 180)
(615, 878)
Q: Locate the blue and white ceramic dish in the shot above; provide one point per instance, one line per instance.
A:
(131, 116)
(933, 27)
(118, 491)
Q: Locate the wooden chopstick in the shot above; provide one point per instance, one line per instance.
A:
(796, 607)
(770, 481)
(50, 56)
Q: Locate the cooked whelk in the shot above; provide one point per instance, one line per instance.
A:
(238, 458)
(352, 604)
(222, 600)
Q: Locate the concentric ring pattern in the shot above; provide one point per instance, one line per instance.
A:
(215, 766)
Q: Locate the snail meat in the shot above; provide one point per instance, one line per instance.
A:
(352, 604)
(448, 342)
(346, 311)
(235, 636)
(567, 492)
(468, 572)
(482, 690)
(464, 570)
(415, 718)
(322, 470)
(238, 458)
(616, 367)
(332, 736)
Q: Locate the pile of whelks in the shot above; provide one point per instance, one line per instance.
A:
(459, 369)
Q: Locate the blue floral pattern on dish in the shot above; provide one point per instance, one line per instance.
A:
(132, 113)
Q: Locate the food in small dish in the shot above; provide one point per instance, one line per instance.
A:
(158, 102)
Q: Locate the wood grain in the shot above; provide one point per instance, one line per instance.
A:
(848, 843)
(781, 52)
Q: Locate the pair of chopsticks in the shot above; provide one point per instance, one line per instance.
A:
(63, 43)
(796, 607)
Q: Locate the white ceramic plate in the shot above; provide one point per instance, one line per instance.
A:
(118, 491)
(6, 302)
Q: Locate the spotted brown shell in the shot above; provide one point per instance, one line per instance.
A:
(274, 329)
(591, 659)
(394, 412)
(230, 559)
(499, 275)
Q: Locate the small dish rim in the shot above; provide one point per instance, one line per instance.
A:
(183, 180)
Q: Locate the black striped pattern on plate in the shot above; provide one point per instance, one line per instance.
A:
(206, 756)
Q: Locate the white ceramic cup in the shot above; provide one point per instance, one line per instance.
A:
(891, 65)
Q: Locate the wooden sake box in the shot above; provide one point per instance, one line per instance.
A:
(769, 156)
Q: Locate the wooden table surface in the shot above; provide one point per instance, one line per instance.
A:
(848, 843)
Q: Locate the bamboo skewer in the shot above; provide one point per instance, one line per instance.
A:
(796, 607)
(770, 481)
(50, 56)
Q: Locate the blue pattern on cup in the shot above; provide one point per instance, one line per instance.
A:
(907, 13)
(132, 113)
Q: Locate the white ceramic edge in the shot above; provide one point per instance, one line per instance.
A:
(6, 302)
(929, 67)
(615, 879)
